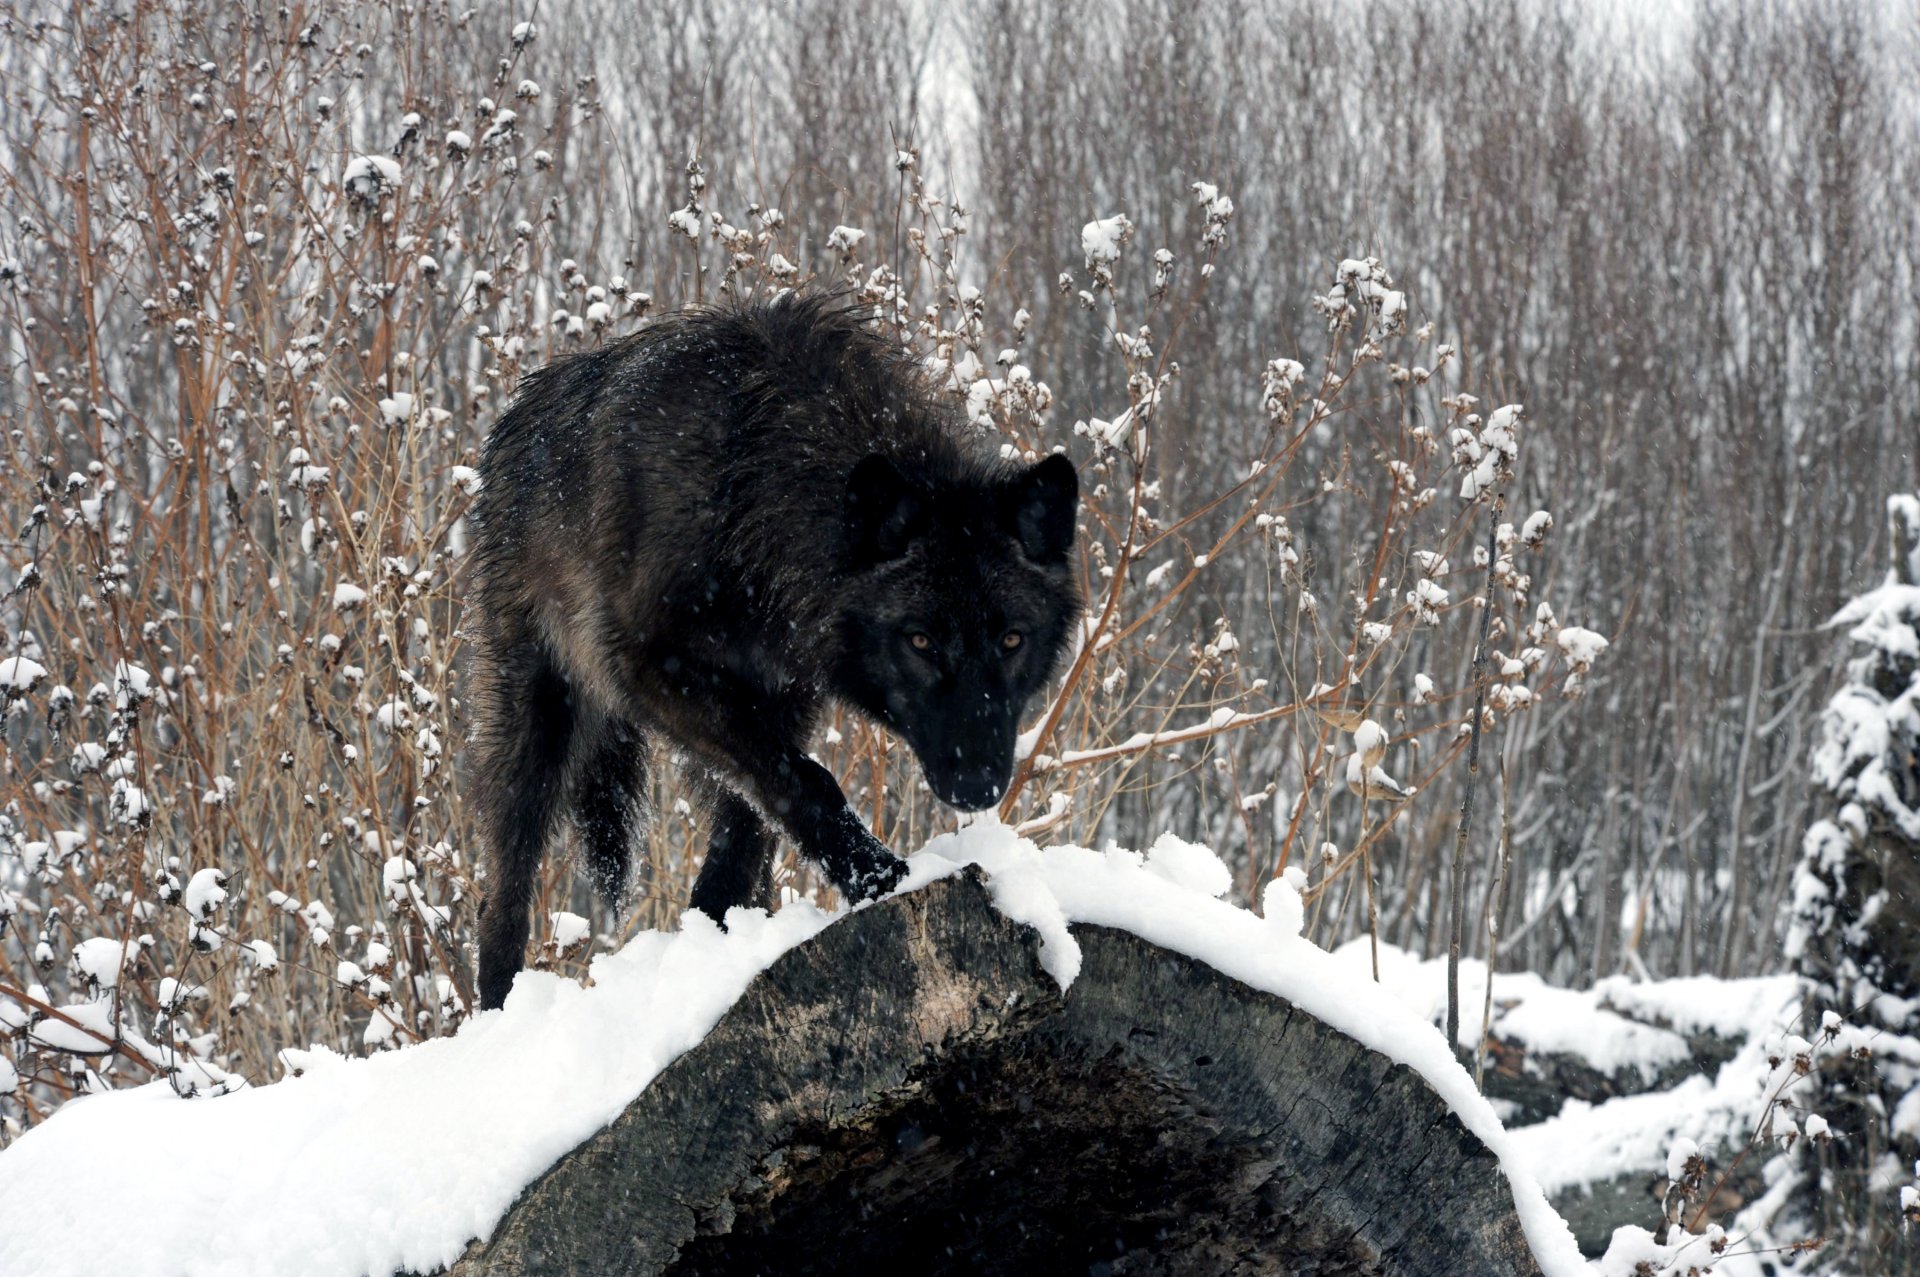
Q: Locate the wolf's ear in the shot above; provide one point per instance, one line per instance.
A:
(1045, 499)
(882, 511)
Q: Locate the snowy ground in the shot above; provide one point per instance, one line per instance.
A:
(397, 1161)
(1635, 1032)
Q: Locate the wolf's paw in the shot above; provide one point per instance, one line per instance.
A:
(875, 879)
(860, 864)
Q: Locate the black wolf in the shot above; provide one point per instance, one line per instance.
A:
(704, 532)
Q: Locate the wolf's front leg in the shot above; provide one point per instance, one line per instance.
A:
(753, 738)
(804, 797)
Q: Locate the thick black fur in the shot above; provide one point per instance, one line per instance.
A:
(705, 532)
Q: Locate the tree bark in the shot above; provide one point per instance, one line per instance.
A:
(910, 1092)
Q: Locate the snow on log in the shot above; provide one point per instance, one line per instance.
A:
(952, 1110)
(1027, 1061)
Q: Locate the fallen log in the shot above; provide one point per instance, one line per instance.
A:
(1539, 1083)
(911, 1091)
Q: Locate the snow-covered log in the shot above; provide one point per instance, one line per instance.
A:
(911, 1092)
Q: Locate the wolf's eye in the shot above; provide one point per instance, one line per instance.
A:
(921, 643)
(1011, 640)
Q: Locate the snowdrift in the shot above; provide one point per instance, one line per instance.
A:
(1091, 1021)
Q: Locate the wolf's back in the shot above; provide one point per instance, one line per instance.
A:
(696, 471)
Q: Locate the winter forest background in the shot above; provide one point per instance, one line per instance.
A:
(269, 272)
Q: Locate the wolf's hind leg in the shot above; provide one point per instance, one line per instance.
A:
(739, 865)
(609, 783)
(520, 757)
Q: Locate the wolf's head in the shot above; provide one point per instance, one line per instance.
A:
(960, 603)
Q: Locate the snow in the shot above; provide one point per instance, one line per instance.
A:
(1864, 732)
(368, 177)
(845, 239)
(102, 959)
(1498, 434)
(396, 1161)
(1189, 865)
(393, 716)
(18, 674)
(503, 124)
(174, 991)
(385, 1163)
(1102, 240)
(1586, 1143)
(206, 892)
(1633, 1251)
(569, 929)
(1489, 455)
(397, 410)
(1683, 1151)
(1428, 594)
(131, 684)
(1219, 720)
(981, 397)
(1370, 742)
(1704, 1004)
(1365, 281)
(1590, 1025)
(1278, 383)
(686, 221)
(129, 803)
(91, 1028)
(1112, 433)
(1373, 782)
(1582, 646)
(1219, 211)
